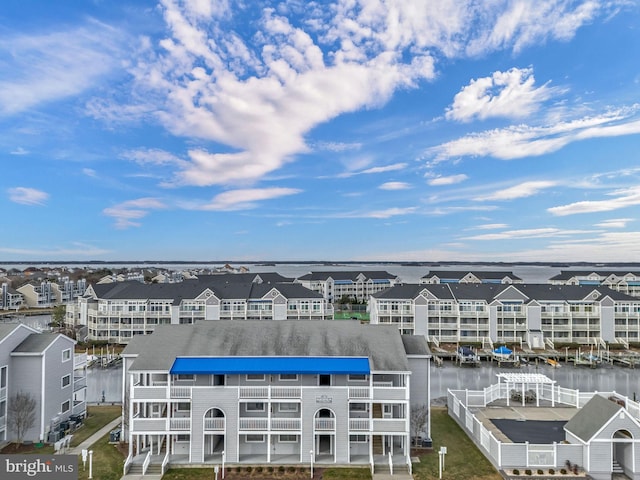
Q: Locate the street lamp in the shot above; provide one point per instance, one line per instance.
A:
(311, 460)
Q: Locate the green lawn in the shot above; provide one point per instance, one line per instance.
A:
(463, 459)
(97, 417)
(107, 462)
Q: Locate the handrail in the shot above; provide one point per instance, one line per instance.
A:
(224, 457)
(390, 464)
(127, 463)
(372, 467)
(147, 461)
(165, 462)
(409, 465)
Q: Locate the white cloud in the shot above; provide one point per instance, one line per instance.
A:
(390, 212)
(621, 199)
(491, 226)
(338, 146)
(450, 180)
(126, 213)
(522, 141)
(526, 234)
(28, 196)
(20, 151)
(614, 223)
(153, 156)
(89, 172)
(244, 199)
(55, 65)
(373, 170)
(259, 92)
(395, 186)
(508, 94)
(525, 189)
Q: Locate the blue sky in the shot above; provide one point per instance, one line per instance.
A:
(353, 130)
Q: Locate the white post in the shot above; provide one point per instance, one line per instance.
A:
(441, 466)
(223, 459)
(90, 464)
(311, 461)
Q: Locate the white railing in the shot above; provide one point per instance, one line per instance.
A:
(149, 425)
(165, 463)
(285, 392)
(214, 423)
(180, 424)
(180, 392)
(79, 360)
(359, 392)
(127, 463)
(254, 392)
(409, 464)
(390, 464)
(359, 424)
(253, 423)
(325, 424)
(285, 424)
(147, 461)
(3, 393)
(149, 393)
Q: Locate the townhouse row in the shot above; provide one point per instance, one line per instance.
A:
(118, 312)
(45, 294)
(44, 367)
(352, 285)
(509, 313)
(274, 392)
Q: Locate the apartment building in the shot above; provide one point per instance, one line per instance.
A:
(117, 312)
(10, 299)
(476, 276)
(620, 280)
(66, 290)
(509, 313)
(358, 285)
(44, 366)
(38, 294)
(273, 393)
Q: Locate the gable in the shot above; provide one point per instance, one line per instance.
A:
(511, 293)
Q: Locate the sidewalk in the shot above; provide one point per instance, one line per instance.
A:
(95, 437)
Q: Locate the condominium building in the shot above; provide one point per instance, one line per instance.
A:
(509, 313)
(273, 392)
(38, 294)
(358, 285)
(117, 311)
(620, 280)
(464, 276)
(44, 366)
(10, 299)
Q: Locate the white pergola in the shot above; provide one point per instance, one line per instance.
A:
(524, 381)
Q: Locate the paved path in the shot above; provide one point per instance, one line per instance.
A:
(94, 438)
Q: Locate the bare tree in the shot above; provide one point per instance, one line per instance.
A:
(21, 414)
(417, 420)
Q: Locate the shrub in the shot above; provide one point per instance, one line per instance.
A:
(259, 469)
(291, 469)
(540, 472)
(281, 469)
(249, 469)
(575, 469)
(527, 471)
(238, 469)
(270, 469)
(563, 471)
(516, 471)
(552, 471)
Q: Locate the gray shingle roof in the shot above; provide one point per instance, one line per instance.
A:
(412, 290)
(592, 417)
(481, 274)
(568, 274)
(416, 345)
(6, 329)
(36, 343)
(382, 344)
(348, 275)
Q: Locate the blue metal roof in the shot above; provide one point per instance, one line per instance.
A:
(271, 365)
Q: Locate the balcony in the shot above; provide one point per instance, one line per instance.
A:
(359, 424)
(180, 424)
(324, 424)
(3, 393)
(359, 392)
(253, 423)
(79, 383)
(389, 425)
(285, 424)
(390, 393)
(79, 407)
(269, 392)
(214, 424)
(141, 425)
(149, 393)
(180, 392)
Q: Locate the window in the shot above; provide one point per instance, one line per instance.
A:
(288, 377)
(358, 407)
(287, 439)
(3, 377)
(255, 407)
(287, 407)
(324, 380)
(358, 438)
(66, 381)
(255, 438)
(183, 406)
(185, 377)
(182, 438)
(66, 355)
(357, 378)
(252, 377)
(65, 406)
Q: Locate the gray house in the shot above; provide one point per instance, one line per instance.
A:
(610, 436)
(42, 365)
(287, 392)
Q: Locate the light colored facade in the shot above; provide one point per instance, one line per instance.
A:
(117, 312)
(66, 290)
(10, 299)
(357, 285)
(509, 313)
(38, 295)
(277, 393)
(44, 366)
(464, 276)
(620, 280)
